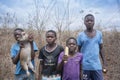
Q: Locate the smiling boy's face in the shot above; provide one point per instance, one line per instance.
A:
(72, 45)
(17, 34)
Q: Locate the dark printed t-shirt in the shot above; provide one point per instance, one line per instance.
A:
(49, 60)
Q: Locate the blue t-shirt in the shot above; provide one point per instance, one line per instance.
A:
(14, 51)
(90, 50)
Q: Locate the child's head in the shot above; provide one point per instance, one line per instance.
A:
(51, 36)
(72, 44)
(89, 21)
(17, 33)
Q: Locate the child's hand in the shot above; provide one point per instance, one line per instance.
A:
(22, 45)
(30, 37)
(65, 58)
(104, 70)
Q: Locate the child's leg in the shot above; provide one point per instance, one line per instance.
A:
(31, 77)
(20, 77)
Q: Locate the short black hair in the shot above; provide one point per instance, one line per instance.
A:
(18, 29)
(69, 39)
(52, 32)
(89, 15)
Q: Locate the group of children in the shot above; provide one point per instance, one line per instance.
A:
(81, 63)
(52, 59)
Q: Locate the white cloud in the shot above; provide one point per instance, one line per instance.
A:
(22, 8)
(4, 9)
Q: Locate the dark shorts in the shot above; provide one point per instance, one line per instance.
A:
(92, 75)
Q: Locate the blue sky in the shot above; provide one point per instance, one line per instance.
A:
(106, 12)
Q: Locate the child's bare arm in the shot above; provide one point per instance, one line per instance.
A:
(32, 51)
(79, 48)
(60, 65)
(40, 70)
(31, 38)
(102, 55)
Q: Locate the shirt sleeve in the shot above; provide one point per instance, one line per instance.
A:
(79, 42)
(100, 41)
(13, 52)
(60, 57)
(41, 56)
(35, 47)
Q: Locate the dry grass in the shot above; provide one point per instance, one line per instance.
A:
(111, 46)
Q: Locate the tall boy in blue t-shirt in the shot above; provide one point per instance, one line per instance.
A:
(90, 43)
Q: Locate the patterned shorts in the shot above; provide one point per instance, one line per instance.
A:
(52, 77)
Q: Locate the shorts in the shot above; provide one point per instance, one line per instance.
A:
(92, 75)
(24, 77)
(52, 77)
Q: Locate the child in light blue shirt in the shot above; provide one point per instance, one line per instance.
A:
(90, 43)
(20, 74)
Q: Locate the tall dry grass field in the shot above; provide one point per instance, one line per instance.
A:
(111, 47)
